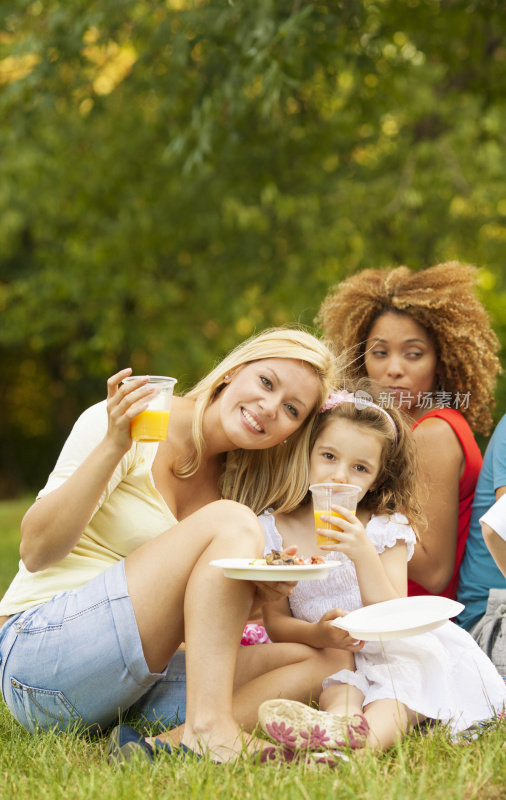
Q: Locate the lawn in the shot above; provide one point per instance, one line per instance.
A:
(11, 512)
(66, 766)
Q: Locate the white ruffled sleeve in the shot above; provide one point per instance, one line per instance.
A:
(385, 531)
(273, 539)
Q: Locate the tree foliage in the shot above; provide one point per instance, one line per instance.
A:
(176, 175)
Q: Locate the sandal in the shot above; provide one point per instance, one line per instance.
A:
(277, 754)
(300, 727)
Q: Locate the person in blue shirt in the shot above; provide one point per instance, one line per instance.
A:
(482, 585)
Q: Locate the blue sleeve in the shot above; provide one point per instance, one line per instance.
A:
(499, 455)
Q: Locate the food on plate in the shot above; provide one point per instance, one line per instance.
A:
(277, 558)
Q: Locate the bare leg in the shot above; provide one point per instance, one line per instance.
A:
(267, 671)
(342, 699)
(177, 595)
(259, 659)
(300, 681)
(388, 719)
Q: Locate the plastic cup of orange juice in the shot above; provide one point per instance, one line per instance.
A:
(326, 495)
(152, 425)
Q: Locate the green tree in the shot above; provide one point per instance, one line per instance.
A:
(176, 175)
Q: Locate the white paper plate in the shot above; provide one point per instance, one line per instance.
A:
(395, 619)
(243, 569)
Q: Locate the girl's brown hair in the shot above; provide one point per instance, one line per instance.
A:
(395, 488)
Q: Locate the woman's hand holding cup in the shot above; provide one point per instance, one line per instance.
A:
(124, 402)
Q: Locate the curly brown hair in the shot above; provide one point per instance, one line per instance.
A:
(442, 299)
(396, 488)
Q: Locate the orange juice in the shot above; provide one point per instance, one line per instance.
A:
(151, 425)
(320, 537)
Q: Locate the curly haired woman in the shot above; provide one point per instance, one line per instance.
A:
(426, 339)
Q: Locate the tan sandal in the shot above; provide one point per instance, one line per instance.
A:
(300, 727)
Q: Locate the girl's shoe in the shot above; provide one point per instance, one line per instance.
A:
(326, 758)
(300, 727)
(275, 754)
(278, 754)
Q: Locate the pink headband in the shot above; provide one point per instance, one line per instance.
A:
(336, 398)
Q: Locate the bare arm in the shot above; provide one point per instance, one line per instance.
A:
(282, 627)
(496, 546)
(380, 576)
(441, 464)
(53, 525)
(389, 581)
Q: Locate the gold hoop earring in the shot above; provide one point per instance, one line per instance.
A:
(440, 386)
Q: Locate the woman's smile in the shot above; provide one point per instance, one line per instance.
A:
(252, 421)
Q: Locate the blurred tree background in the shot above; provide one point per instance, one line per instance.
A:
(176, 175)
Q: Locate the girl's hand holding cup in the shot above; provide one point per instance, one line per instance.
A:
(349, 535)
(326, 498)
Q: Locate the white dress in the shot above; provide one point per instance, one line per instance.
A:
(442, 675)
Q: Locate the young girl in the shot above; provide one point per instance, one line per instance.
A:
(439, 675)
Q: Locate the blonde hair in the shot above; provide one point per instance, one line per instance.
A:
(396, 488)
(278, 475)
(442, 299)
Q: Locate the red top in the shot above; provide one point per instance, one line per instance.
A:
(467, 486)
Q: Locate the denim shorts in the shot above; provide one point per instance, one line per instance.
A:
(77, 660)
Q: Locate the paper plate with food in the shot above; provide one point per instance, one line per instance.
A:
(276, 566)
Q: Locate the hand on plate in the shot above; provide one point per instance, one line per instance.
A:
(330, 636)
(270, 591)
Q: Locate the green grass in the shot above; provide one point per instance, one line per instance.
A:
(11, 513)
(422, 768)
(70, 767)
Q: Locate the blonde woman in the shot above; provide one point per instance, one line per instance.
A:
(115, 552)
(425, 339)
